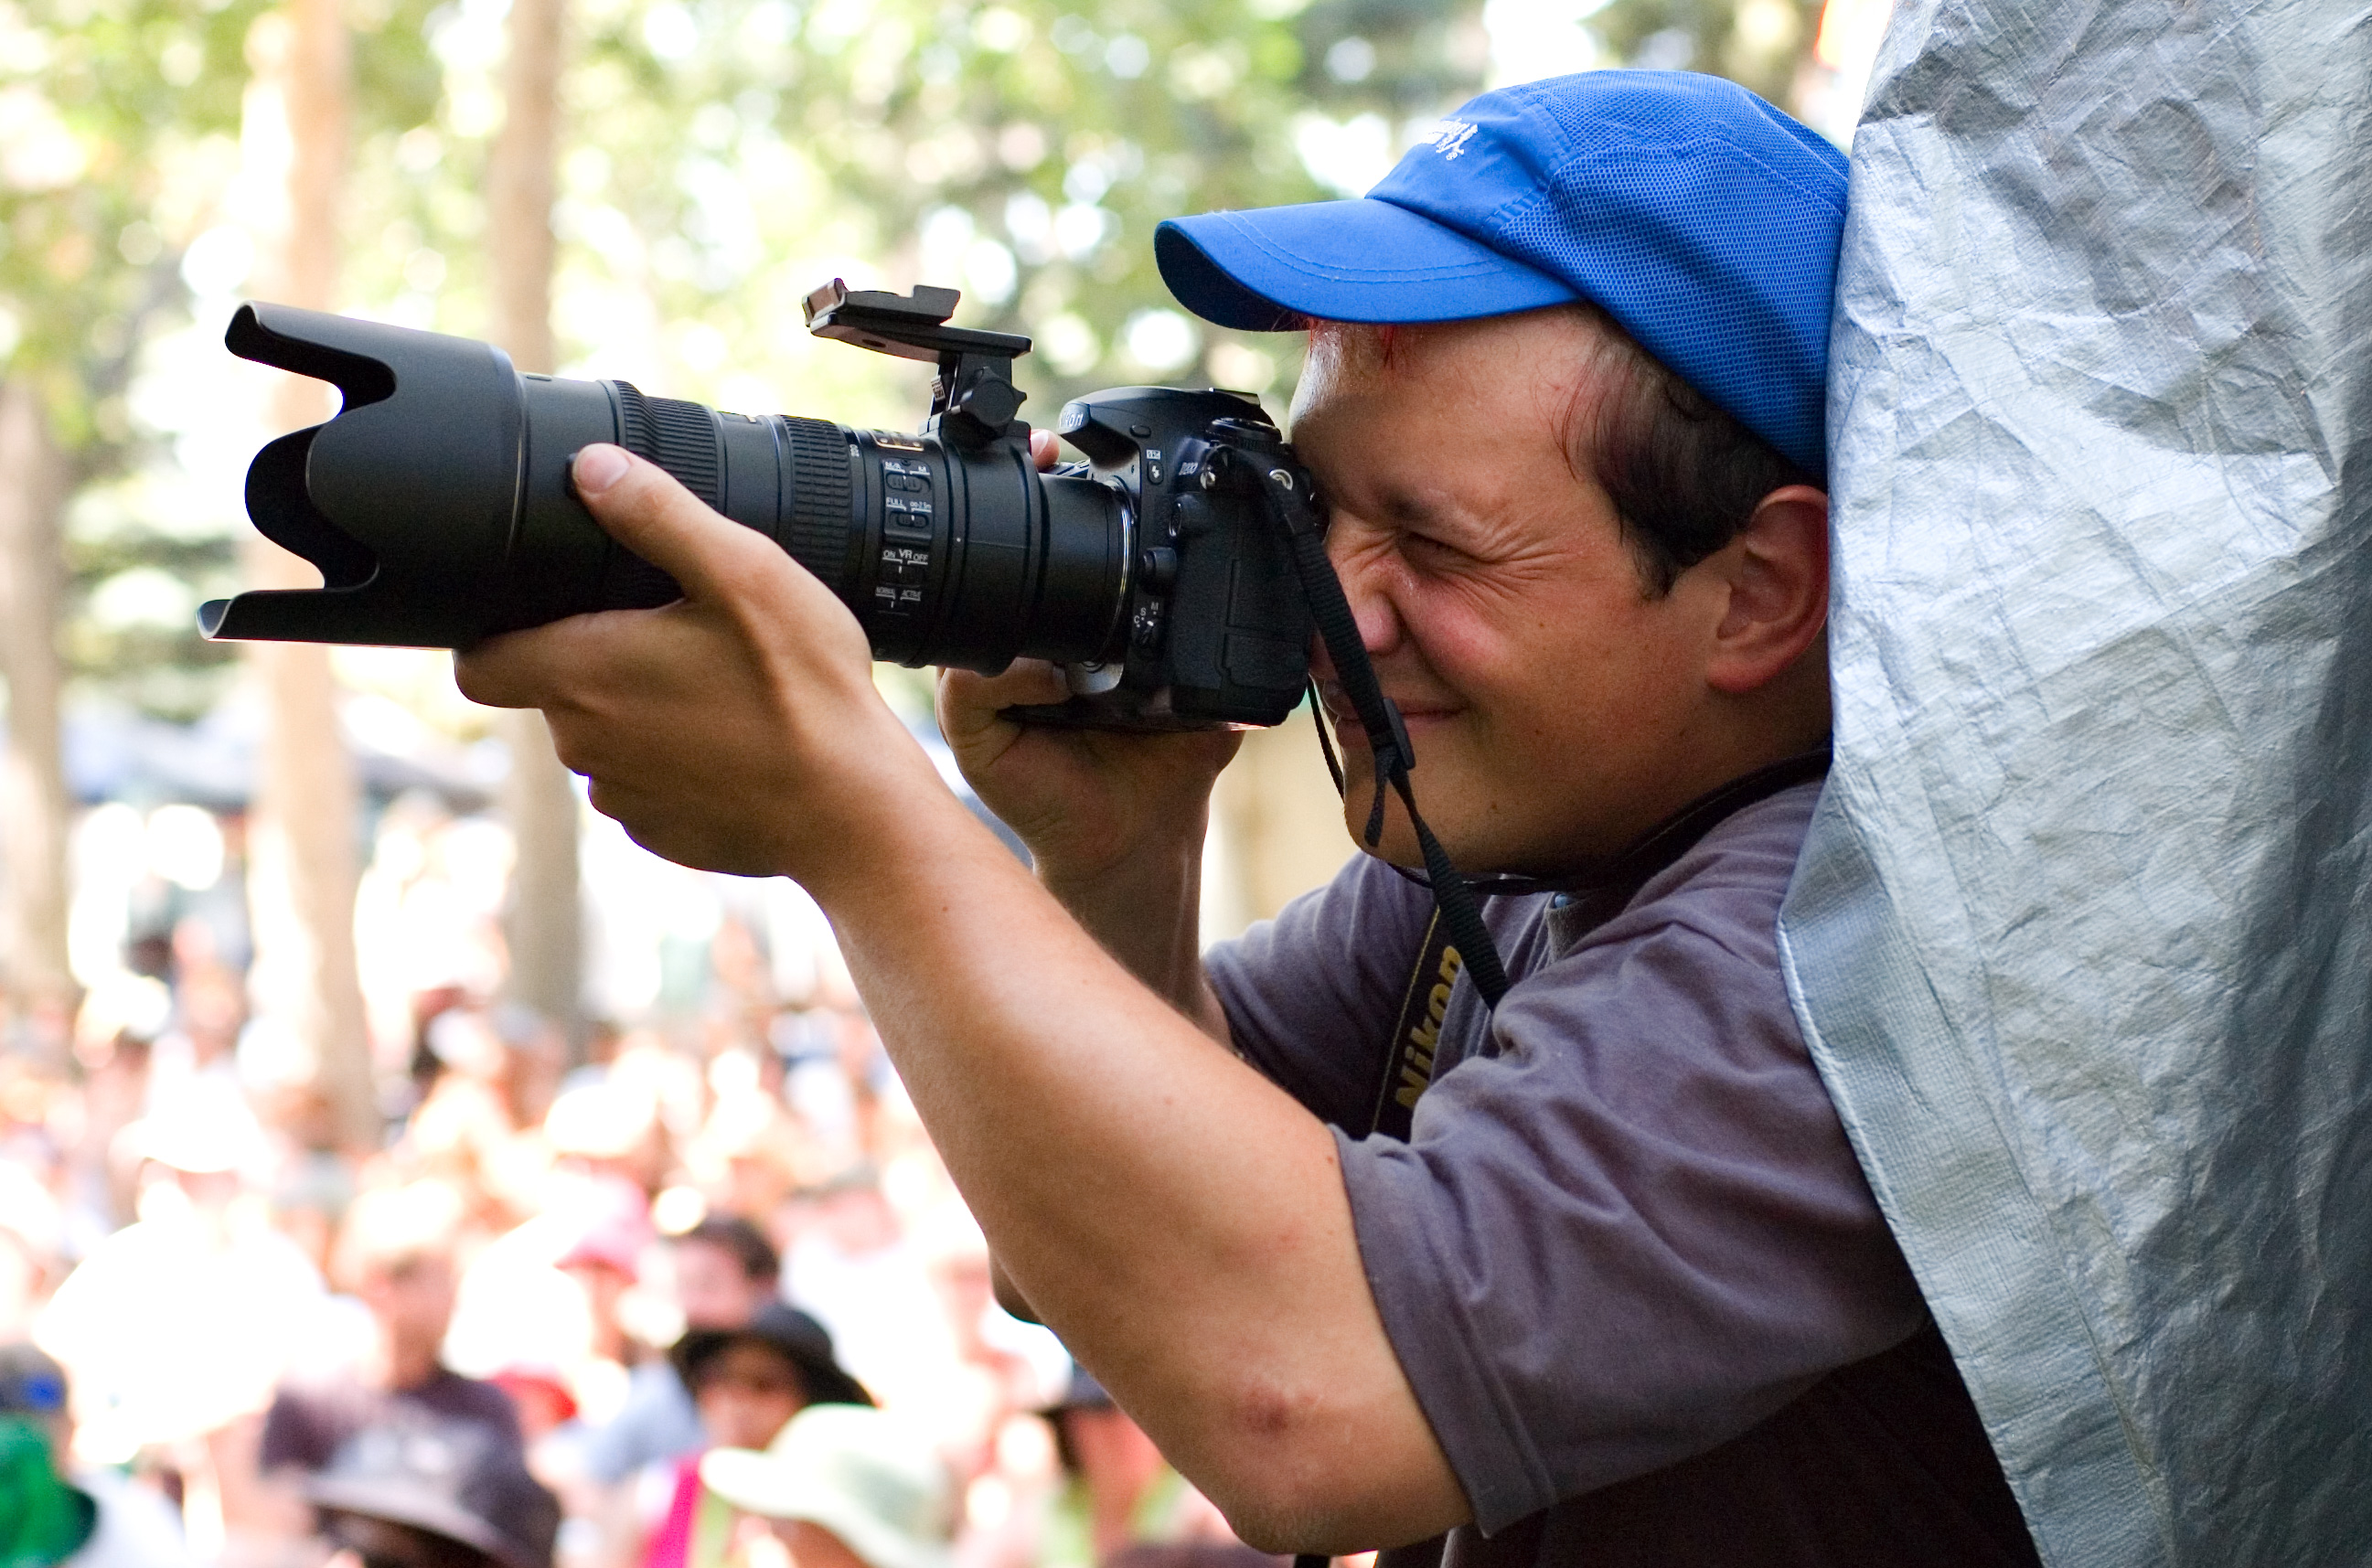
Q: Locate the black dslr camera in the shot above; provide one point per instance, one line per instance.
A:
(438, 505)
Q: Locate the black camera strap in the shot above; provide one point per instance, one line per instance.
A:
(1291, 500)
(1416, 1032)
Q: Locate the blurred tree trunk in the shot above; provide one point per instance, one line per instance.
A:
(544, 925)
(302, 859)
(34, 805)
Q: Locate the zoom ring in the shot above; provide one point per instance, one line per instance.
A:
(687, 446)
(820, 537)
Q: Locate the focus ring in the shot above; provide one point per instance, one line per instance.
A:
(678, 436)
(820, 532)
(630, 582)
(635, 432)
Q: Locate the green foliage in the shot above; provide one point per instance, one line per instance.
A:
(119, 126)
(721, 158)
(120, 117)
(114, 109)
(729, 157)
(1757, 43)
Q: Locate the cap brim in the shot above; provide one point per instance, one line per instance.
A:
(1273, 268)
(763, 1483)
(422, 1509)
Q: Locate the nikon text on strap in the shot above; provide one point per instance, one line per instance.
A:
(1416, 1032)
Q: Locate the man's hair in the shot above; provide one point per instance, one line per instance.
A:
(742, 1240)
(1684, 476)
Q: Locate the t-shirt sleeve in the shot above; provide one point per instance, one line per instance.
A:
(1637, 1230)
(1310, 994)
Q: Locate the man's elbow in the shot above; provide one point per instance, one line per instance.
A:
(1292, 1476)
(1327, 1517)
(1008, 1294)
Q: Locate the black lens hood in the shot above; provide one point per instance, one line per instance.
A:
(405, 499)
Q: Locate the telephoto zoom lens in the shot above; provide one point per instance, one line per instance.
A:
(438, 505)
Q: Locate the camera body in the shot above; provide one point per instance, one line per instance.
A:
(1215, 626)
(438, 505)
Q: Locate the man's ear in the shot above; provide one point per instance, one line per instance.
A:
(1776, 574)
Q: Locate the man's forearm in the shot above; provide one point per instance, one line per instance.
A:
(1147, 914)
(1179, 1220)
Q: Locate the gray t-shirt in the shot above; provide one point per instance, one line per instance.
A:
(1627, 1229)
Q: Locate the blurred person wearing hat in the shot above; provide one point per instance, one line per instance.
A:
(748, 1383)
(424, 1491)
(720, 1274)
(54, 1511)
(843, 1486)
(182, 1323)
(612, 1232)
(1614, 1288)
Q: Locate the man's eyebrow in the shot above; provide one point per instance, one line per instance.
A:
(1409, 507)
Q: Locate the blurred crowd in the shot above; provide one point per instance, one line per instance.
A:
(683, 1295)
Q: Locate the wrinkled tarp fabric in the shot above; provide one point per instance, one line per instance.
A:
(2082, 937)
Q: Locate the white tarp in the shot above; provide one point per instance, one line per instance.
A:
(2082, 937)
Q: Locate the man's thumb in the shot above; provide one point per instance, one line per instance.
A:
(642, 507)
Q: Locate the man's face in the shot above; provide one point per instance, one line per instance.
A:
(411, 1296)
(1556, 706)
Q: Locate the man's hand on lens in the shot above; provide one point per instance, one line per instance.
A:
(735, 730)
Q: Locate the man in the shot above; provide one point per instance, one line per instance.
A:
(396, 1254)
(181, 1324)
(1624, 1297)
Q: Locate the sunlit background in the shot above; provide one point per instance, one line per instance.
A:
(277, 897)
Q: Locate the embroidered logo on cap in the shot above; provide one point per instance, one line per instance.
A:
(1449, 137)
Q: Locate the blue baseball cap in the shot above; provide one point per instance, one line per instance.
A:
(1703, 220)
